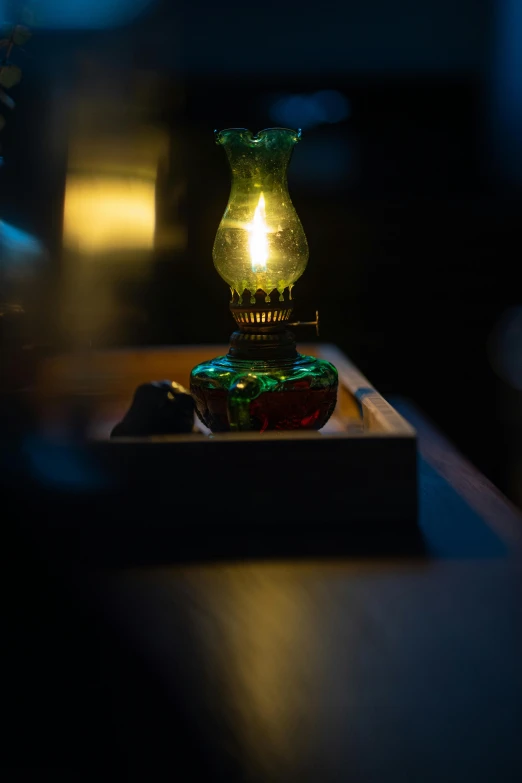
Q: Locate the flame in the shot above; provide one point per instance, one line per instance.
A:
(258, 243)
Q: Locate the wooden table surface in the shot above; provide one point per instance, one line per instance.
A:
(323, 667)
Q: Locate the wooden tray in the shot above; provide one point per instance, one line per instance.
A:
(360, 467)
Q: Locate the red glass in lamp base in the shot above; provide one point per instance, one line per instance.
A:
(272, 411)
(234, 394)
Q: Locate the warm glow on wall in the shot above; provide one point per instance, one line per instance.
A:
(107, 213)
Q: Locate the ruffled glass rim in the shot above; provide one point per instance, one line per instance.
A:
(256, 139)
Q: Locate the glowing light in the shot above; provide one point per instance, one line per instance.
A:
(311, 110)
(109, 213)
(20, 254)
(505, 346)
(91, 14)
(14, 240)
(258, 244)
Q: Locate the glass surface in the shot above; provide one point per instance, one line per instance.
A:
(233, 394)
(260, 243)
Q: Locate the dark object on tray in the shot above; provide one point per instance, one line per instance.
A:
(158, 408)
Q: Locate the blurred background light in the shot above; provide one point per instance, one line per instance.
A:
(326, 162)
(15, 241)
(506, 82)
(309, 111)
(109, 213)
(505, 347)
(86, 14)
(57, 464)
(21, 255)
(334, 105)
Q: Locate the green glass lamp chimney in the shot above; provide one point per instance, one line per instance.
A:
(260, 244)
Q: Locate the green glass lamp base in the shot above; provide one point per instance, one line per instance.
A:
(264, 394)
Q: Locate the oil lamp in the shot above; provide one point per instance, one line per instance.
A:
(261, 251)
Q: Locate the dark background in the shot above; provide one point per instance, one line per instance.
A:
(410, 201)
